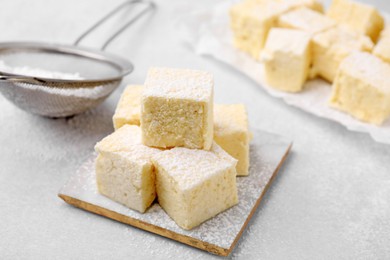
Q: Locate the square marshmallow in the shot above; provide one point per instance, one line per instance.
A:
(362, 88)
(231, 132)
(124, 171)
(362, 18)
(177, 108)
(330, 47)
(195, 185)
(286, 58)
(128, 109)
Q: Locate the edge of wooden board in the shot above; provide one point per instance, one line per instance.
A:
(145, 226)
(211, 248)
(260, 198)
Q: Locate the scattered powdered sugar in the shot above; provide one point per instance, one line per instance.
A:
(266, 154)
(58, 140)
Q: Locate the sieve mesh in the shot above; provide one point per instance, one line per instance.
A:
(57, 99)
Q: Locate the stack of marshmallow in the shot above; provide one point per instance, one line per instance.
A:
(173, 143)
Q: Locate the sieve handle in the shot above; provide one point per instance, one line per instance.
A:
(149, 7)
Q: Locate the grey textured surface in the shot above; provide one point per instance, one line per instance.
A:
(331, 200)
(267, 152)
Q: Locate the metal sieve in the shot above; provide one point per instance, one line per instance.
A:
(63, 80)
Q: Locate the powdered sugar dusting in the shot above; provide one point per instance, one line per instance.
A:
(127, 140)
(179, 83)
(184, 164)
(369, 69)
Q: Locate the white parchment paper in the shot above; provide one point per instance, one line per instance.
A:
(208, 33)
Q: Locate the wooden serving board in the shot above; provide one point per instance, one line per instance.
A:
(218, 235)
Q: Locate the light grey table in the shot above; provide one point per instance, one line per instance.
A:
(331, 199)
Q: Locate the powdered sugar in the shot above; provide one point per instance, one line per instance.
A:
(369, 68)
(36, 72)
(179, 83)
(127, 140)
(192, 167)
